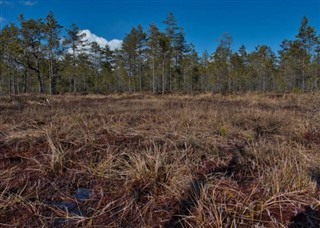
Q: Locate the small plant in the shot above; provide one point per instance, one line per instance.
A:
(223, 131)
(56, 153)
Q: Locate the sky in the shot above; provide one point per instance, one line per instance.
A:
(249, 22)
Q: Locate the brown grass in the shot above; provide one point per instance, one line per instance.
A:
(203, 160)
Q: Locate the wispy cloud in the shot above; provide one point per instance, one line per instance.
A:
(2, 19)
(29, 3)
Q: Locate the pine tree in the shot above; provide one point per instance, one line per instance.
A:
(238, 69)
(74, 41)
(178, 48)
(51, 34)
(107, 63)
(204, 64)
(31, 36)
(262, 61)
(95, 59)
(154, 54)
(11, 59)
(164, 45)
(221, 64)
(190, 69)
(133, 48)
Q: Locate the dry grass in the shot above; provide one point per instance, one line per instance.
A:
(202, 160)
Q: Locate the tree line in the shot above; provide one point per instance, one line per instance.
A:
(36, 58)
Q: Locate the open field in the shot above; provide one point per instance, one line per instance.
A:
(140, 160)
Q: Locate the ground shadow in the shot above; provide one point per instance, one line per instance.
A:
(193, 193)
(315, 175)
(187, 203)
(309, 218)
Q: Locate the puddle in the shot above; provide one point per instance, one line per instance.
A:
(82, 194)
(73, 208)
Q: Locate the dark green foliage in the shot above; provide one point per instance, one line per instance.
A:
(36, 58)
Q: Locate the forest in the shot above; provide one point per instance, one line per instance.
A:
(42, 56)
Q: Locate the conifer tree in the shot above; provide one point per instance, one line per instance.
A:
(74, 41)
(52, 37)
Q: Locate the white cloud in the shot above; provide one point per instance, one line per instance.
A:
(102, 42)
(2, 19)
(115, 44)
(29, 3)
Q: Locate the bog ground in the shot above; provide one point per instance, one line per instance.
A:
(141, 160)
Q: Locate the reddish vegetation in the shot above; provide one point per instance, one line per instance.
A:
(312, 137)
(160, 161)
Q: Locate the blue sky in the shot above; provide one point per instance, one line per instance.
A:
(249, 22)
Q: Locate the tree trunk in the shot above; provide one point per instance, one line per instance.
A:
(163, 77)
(191, 79)
(15, 86)
(1, 81)
(74, 73)
(129, 83)
(52, 77)
(41, 90)
(153, 77)
(140, 76)
(184, 81)
(25, 81)
(96, 81)
(201, 82)
(303, 76)
(10, 85)
(170, 79)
